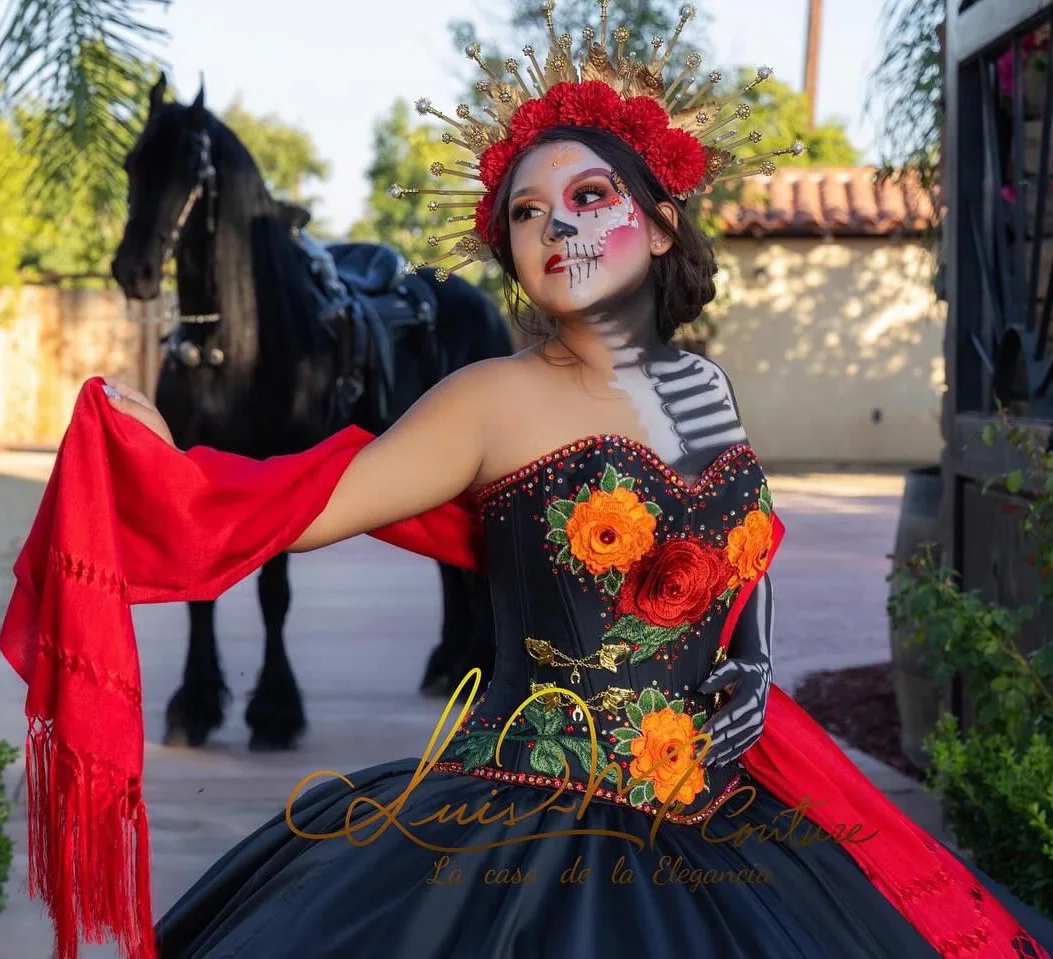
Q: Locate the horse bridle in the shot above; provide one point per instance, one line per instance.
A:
(190, 353)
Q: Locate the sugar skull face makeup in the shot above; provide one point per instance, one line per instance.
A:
(578, 238)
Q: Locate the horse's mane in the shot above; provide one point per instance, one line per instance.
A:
(267, 330)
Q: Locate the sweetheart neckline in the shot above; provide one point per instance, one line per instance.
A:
(694, 487)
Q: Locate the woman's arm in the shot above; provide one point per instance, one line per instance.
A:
(738, 724)
(428, 457)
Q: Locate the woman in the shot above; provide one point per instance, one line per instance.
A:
(630, 783)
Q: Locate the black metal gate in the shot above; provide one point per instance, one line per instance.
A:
(999, 257)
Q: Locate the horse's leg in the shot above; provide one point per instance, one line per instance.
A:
(196, 708)
(275, 712)
(456, 622)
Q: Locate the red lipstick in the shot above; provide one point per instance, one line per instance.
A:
(552, 265)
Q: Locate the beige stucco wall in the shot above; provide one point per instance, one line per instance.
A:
(818, 335)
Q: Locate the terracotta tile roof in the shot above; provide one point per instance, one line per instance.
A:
(818, 201)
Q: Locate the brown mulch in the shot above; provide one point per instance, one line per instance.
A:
(859, 705)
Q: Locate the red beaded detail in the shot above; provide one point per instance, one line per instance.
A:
(643, 450)
(550, 782)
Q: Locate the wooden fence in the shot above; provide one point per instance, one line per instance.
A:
(52, 339)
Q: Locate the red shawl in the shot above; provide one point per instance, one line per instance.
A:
(127, 519)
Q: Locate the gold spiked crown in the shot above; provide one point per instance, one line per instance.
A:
(682, 131)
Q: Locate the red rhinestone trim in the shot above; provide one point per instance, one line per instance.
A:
(616, 439)
(536, 779)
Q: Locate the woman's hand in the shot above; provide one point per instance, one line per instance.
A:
(137, 406)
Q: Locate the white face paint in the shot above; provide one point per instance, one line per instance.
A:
(577, 237)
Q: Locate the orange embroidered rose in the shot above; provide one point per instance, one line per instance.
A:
(749, 544)
(610, 530)
(665, 755)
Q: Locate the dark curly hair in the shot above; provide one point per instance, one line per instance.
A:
(683, 276)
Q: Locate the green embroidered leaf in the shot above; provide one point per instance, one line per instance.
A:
(546, 757)
(641, 794)
(626, 737)
(653, 508)
(545, 721)
(727, 596)
(677, 705)
(583, 494)
(635, 715)
(559, 511)
(651, 639)
(581, 746)
(609, 480)
(477, 749)
(627, 482)
(556, 535)
(612, 582)
(765, 499)
(651, 700)
(576, 565)
(564, 556)
(698, 720)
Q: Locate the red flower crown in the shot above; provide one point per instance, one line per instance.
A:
(679, 131)
(677, 159)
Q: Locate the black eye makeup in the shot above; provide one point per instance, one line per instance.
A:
(525, 211)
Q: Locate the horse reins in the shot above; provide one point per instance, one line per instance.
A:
(190, 353)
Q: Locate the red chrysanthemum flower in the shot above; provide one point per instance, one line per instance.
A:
(494, 162)
(591, 104)
(678, 160)
(484, 210)
(559, 93)
(640, 121)
(530, 119)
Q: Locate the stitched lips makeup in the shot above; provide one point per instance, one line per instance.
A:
(553, 264)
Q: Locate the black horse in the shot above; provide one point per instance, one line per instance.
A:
(281, 341)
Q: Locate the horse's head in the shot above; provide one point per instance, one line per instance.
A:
(170, 176)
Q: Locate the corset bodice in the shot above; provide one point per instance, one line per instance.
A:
(615, 579)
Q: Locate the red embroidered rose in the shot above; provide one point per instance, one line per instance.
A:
(678, 160)
(639, 121)
(530, 119)
(674, 583)
(484, 210)
(590, 104)
(494, 162)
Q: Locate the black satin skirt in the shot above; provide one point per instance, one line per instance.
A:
(420, 884)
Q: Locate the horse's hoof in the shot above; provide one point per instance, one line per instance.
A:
(273, 742)
(179, 737)
(437, 686)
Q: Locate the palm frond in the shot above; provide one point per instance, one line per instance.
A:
(73, 76)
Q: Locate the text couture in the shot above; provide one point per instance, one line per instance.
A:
(790, 826)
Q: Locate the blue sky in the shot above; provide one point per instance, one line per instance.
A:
(333, 67)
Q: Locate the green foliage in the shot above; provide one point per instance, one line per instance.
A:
(403, 149)
(8, 754)
(287, 156)
(14, 220)
(996, 778)
(73, 226)
(76, 67)
(909, 83)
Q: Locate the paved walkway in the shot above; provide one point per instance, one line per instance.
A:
(364, 617)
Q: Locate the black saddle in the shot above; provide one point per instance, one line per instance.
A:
(385, 311)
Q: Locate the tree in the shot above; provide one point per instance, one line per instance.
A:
(76, 65)
(909, 83)
(403, 152)
(287, 156)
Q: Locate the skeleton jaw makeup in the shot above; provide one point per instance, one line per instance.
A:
(578, 238)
